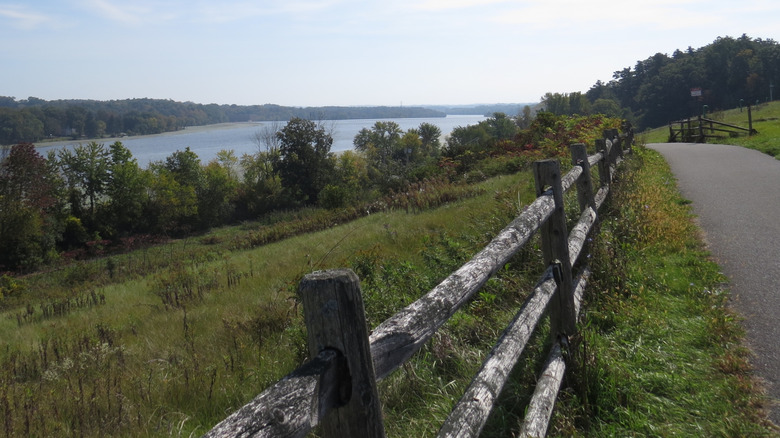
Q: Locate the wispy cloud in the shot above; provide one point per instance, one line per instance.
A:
(230, 11)
(137, 12)
(659, 14)
(21, 17)
(124, 12)
(440, 5)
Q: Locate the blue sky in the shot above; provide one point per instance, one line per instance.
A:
(348, 52)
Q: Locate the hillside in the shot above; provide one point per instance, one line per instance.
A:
(765, 121)
(728, 73)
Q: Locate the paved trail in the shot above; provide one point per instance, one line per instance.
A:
(736, 195)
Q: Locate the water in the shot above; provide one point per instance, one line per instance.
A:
(206, 141)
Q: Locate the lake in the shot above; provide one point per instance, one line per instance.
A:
(206, 141)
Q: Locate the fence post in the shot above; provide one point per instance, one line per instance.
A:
(605, 174)
(555, 247)
(701, 131)
(579, 157)
(335, 319)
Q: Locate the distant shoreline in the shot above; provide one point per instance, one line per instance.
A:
(110, 140)
(199, 128)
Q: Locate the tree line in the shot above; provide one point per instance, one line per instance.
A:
(76, 202)
(33, 119)
(728, 73)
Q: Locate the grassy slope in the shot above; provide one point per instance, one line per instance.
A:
(134, 366)
(181, 368)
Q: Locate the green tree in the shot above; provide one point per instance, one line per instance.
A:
(185, 168)
(28, 203)
(304, 165)
(525, 118)
(556, 103)
(430, 135)
(260, 187)
(216, 195)
(76, 120)
(86, 168)
(17, 126)
(127, 192)
(349, 184)
(467, 140)
(501, 127)
(578, 104)
(172, 206)
(384, 151)
(607, 107)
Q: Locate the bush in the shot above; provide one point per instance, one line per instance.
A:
(333, 196)
(10, 286)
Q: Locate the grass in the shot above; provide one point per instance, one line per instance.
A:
(766, 120)
(660, 353)
(188, 331)
(191, 330)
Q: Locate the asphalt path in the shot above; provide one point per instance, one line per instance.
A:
(735, 193)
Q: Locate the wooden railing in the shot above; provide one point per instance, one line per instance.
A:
(699, 129)
(337, 389)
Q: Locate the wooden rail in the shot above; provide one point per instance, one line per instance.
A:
(337, 389)
(698, 130)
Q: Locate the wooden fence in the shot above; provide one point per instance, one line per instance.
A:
(337, 389)
(699, 129)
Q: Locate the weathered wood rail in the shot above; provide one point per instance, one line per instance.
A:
(337, 389)
(699, 129)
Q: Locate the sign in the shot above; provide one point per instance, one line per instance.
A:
(695, 92)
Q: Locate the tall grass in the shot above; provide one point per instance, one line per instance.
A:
(167, 340)
(660, 352)
(182, 334)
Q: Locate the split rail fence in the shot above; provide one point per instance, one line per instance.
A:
(337, 389)
(699, 129)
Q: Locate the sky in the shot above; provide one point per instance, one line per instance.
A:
(348, 52)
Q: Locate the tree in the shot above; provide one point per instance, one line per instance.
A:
(607, 107)
(524, 120)
(556, 103)
(384, 151)
(76, 120)
(350, 183)
(216, 195)
(185, 168)
(28, 202)
(266, 138)
(304, 165)
(501, 127)
(126, 190)
(430, 135)
(380, 143)
(86, 168)
(467, 140)
(578, 104)
(260, 187)
(172, 206)
(18, 126)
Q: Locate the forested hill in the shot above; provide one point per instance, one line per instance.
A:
(728, 73)
(34, 119)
